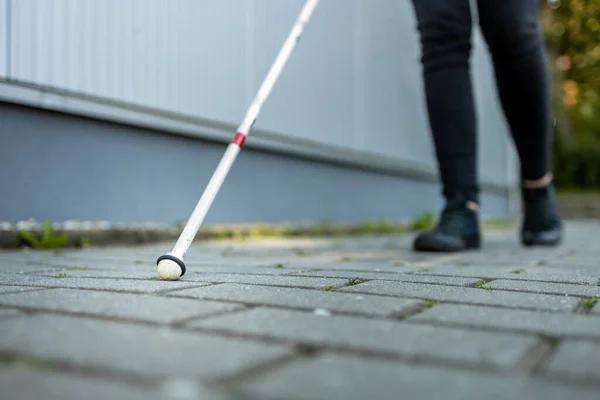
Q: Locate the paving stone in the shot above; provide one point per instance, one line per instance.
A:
(292, 281)
(9, 312)
(292, 297)
(137, 350)
(388, 337)
(333, 376)
(149, 308)
(575, 261)
(547, 323)
(546, 288)
(596, 309)
(359, 267)
(270, 270)
(574, 359)
(19, 383)
(93, 273)
(466, 295)
(14, 289)
(438, 280)
(513, 272)
(116, 285)
(11, 267)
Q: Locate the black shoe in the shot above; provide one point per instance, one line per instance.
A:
(457, 230)
(542, 225)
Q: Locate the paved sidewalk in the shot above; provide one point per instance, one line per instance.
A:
(305, 319)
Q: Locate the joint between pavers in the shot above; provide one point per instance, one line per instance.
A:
(512, 330)
(507, 277)
(538, 355)
(586, 305)
(367, 353)
(126, 320)
(573, 380)
(75, 369)
(463, 302)
(169, 291)
(224, 384)
(182, 324)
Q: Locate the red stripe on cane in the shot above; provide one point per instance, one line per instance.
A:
(239, 139)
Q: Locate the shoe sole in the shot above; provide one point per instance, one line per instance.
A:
(551, 239)
(472, 242)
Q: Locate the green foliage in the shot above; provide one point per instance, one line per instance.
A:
(589, 302)
(48, 240)
(355, 281)
(481, 285)
(431, 303)
(300, 252)
(572, 34)
(576, 166)
(424, 221)
(516, 271)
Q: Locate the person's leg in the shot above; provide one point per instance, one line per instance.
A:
(512, 31)
(445, 36)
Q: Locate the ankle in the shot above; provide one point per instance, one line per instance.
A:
(538, 183)
(471, 205)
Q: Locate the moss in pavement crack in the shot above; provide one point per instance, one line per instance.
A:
(431, 303)
(589, 302)
(481, 285)
(516, 271)
(355, 281)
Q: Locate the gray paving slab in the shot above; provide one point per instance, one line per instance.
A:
(386, 337)
(359, 267)
(12, 267)
(575, 261)
(149, 308)
(20, 383)
(290, 281)
(7, 312)
(115, 285)
(537, 322)
(52, 263)
(546, 288)
(437, 280)
(298, 298)
(224, 269)
(14, 289)
(576, 359)
(466, 295)
(596, 309)
(516, 272)
(100, 273)
(333, 376)
(129, 349)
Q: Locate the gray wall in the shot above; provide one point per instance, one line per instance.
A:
(350, 94)
(353, 81)
(64, 167)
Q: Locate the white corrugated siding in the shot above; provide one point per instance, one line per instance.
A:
(354, 79)
(4, 37)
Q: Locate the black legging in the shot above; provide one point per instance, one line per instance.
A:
(512, 32)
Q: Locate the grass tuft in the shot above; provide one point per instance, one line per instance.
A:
(589, 302)
(355, 281)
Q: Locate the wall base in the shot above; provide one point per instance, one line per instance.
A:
(63, 167)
